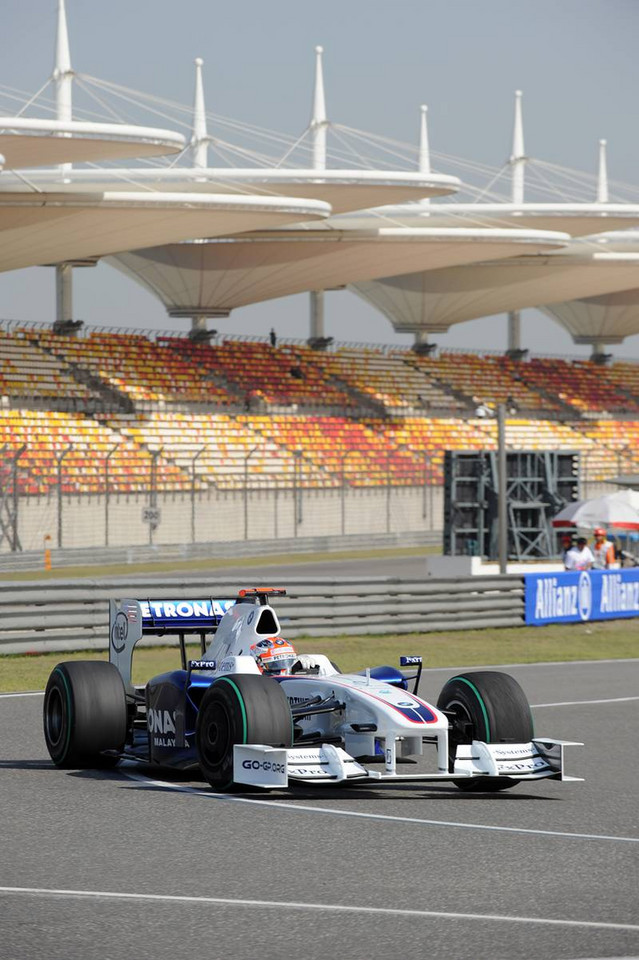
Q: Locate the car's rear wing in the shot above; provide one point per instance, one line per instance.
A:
(130, 620)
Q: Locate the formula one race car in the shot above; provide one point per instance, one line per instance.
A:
(305, 721)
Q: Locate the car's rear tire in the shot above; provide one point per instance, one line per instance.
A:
(241, 708)
(489, 706)
(84, 713)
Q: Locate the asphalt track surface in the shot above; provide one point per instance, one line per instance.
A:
(110, 865)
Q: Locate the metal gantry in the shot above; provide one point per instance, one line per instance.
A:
(538, 484)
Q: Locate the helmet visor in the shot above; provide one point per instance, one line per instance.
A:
(279, 663)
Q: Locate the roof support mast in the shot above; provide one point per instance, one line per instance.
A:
(602, 176)
(200, 157)
(518, 163)
(424, 149)
(63, 81)
(318, 128)
(421, 344)
(200, 139)
(599, 354)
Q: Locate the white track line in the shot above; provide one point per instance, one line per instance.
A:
(536, 706)
(305, 808)
(315, 907)
(36, 693)
(578, 703)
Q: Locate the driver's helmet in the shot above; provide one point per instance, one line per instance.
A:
(274, 655)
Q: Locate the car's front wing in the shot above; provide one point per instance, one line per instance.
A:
(274, 767)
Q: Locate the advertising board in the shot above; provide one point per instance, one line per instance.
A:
(581, 595)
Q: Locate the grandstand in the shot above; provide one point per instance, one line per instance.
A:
(136, 417)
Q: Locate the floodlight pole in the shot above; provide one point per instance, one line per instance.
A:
(502, 503)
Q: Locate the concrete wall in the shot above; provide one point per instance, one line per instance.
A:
(86, 521)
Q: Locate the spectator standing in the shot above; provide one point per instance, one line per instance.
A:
(567, 541)
(273, 337)
(603, 550)
(579, 557)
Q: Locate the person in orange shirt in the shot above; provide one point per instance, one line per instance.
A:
(603, 551)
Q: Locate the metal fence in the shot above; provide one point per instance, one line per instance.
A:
(298, 501)
(197, 517)
(73, 615)
(213, 550)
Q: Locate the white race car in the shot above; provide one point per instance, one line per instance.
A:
(309, 724)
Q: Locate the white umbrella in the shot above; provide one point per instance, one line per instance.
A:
(614, 510)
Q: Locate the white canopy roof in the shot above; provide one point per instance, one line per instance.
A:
(577, 219)
(343, 189)
(434, 300)
(608, 318)
(42, 228)
(27, 142)
(209, 279)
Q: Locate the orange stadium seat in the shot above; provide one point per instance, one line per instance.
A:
(244, 411)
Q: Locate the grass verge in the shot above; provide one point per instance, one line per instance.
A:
(208, 565)
(605, 640)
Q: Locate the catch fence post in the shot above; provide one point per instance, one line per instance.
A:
(193, 462)
(107, 460)
(59, 461)
(246, 463)
(15, 541)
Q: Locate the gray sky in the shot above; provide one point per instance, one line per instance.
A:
(575, 60)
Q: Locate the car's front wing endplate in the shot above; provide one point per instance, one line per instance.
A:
(273, 767)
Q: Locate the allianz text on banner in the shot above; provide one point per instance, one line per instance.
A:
(581, 595)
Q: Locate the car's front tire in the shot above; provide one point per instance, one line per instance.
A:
(241, 708)
(489, 706)
(84, 714)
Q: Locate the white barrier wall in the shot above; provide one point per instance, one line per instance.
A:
(86, 521)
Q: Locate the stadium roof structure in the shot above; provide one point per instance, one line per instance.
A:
(578, 217)
(52, 221)
(593, 266)
(36, 142)
(345, 189)
(33, 142)
(69, 217)
(203, 279)
(434, 300)
(46, 228)
(610, 317)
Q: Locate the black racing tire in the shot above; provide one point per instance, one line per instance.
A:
(84, 713)
(489, 706)
(241, 708)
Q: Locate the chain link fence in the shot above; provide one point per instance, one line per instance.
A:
(86, 498)
(241, 505)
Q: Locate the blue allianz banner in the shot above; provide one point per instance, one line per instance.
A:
(581, 595)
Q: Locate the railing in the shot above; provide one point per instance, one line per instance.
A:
(11, 324)
(32, 560)
(68, 615)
